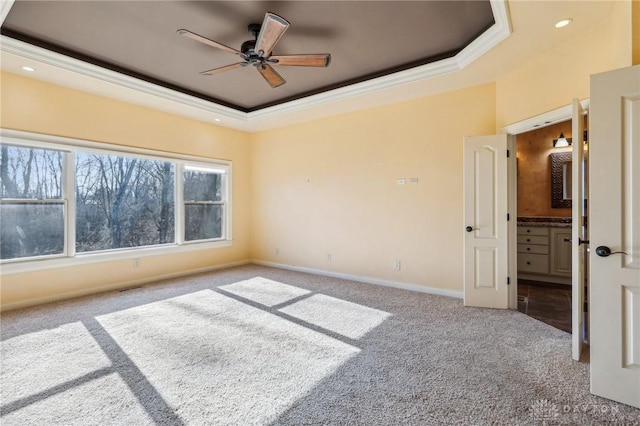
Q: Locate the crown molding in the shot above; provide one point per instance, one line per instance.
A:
(5, 7)
(433, 69)
(44, 56)
(151, 95)
(490, 38)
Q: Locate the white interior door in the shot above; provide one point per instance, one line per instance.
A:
(578, 233)
(485, 215)
(614, 214)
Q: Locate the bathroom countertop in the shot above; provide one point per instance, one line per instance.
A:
(552, 222)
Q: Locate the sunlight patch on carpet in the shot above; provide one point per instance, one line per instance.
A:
(104, 401)
(342, 317)
(264, 291)
(36, 362)
(214, 359)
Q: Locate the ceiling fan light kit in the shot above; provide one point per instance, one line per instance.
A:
(257, 52)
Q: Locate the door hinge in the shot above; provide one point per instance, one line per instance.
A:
(508, 217)
(508, 280)
(508, 153)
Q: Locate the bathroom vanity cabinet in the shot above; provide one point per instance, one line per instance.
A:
(544, 252)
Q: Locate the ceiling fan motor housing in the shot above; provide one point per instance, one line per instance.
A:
(248, 47)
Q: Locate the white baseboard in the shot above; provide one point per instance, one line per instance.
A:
(142, 281)
(115, 286)
(366, 280)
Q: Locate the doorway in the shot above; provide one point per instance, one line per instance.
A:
(544, 220)
(543, 225)
(490, 278)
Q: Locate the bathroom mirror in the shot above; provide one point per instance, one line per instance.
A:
(561, 179)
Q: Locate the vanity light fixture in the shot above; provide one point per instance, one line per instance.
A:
(561, 142)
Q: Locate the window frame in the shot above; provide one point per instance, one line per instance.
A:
(68, 147)
(184, 167)
(63, 200)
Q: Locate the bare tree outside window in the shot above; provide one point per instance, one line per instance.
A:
(32, 210)
(123, 202)
(120, 200)
(203, 205)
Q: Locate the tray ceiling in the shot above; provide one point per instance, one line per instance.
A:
(366, 40)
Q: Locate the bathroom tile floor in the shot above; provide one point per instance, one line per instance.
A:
(546, 302)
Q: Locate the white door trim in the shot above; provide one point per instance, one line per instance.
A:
(546, 119)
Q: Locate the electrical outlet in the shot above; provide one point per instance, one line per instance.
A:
(277, 251)
(396, 265)
(328, 257)
(413, 180)
(401, 181)
(136, 263)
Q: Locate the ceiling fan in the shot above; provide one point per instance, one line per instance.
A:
(257, 52)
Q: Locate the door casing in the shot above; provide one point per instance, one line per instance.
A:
(543, 120)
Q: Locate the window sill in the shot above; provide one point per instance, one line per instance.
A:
(92, 258)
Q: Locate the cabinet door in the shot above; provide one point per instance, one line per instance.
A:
(532, 230)
(560, 252)
(533, 263)
(533, 239)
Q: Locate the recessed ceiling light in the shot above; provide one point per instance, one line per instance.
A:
(563, 22)
(217, 119)
(26, 68)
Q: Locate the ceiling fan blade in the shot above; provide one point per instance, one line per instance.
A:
(209, 42)
(310, 60)
(272, 29)
(225, 68)
(269, 74)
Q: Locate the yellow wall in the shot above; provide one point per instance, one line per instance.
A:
(35, 106)
(553, 79)
(326, 186)
(329, 186)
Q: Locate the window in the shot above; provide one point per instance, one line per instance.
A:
(123, 202)
(203, 203)
(74, 198)
(32, 207)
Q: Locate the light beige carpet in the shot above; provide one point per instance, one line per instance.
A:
(255, 345)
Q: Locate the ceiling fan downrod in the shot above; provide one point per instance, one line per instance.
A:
(248, 48)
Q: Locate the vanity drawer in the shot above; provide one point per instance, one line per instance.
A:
(533, 239)
(535, 263)
(533, 230)
(527, 248)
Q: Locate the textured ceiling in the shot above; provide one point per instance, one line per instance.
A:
(365, 39)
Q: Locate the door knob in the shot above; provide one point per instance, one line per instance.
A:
(470, 229)
(604, 251)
